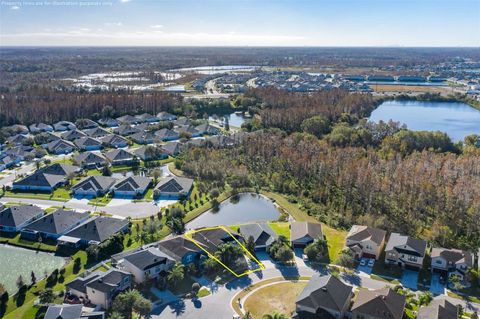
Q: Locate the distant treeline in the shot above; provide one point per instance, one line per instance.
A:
(47, 105)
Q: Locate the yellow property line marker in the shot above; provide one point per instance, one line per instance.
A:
(191, 233)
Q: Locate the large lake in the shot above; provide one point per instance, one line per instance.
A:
(249, 208)
(456, 119)
(18, 261)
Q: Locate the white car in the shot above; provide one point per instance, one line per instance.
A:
(363, 262)
(371, 262)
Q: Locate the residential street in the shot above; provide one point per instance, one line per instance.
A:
(219, 302)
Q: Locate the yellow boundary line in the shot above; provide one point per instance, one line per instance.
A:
(189, 237)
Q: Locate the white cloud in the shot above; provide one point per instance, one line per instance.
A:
(124, 1)
(156, 26)
(15, 7)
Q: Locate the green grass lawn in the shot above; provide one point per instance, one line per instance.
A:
(26, 310)
(100, 201)
(17, 241)
(203, 292)
(281, 229)
(60, 194)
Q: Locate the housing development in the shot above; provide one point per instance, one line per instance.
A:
(239, 159)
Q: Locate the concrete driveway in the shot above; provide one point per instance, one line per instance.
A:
(410, 279)
(364, 269)
(436, 287)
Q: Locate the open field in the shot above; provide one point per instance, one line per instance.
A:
(410, 88)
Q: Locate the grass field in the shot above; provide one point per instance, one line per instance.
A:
(409, 88)
(274, 298)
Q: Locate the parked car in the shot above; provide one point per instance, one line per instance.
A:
(363, 262)
(371, 262)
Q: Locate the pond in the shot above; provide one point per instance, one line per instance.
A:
(456, 119)
(249, 208)
(16, 261)
(234, 119)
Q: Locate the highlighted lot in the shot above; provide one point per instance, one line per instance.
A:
(233, 239)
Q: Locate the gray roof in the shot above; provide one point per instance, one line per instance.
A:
(95, 183)
(113, 139)
(453, 256)
(207, 129)
(126, 130)
(73, 135)
(17, 215)
(102, 281)
(183, 121)
(58, 221)
(174, 184)
(187, 129)
(96, 132)
(141, 152)
(381, 303)
(146, 117)
(86, 124)
(165, 116)
(173, 148)
(438, 309)
(360, 233)
(323, 292)
(60, 145)
(166, 134)
(118, 155)
(299, 230)
(142, 137)
(403, 243)
(128, 119)
(132, 183)
(64, 312)
(87, 158)
(98, 229)
(109, 122)
(177, 247)
(87, 141)
(147, 258)
(262, 233)
(64, 125)
(40, 127)
(48, 176)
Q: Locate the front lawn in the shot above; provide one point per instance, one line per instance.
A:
(60, 194)
(279, 297)
(282, 229)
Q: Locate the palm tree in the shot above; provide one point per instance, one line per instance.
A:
(275, 315)
(176, 274)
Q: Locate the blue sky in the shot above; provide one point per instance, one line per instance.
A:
(241, 22)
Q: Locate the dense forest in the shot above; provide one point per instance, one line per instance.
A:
(47, 105)
(418, 183)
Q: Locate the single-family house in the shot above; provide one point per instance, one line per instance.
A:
(9, 161)
(93, 231)
(165, 116)
(451, 261)
(150, 153)
(207, 129)
(405, 251)
(146, 117)
(18, 139)
(96, 132)
(128, 119)
(40, 127)
(60, 147)
(62, 126)
(181, 250)
(109, 122)
(439, 309)
(114, 140)
(146, 264)
(262, 234)
(132, 186)
(54, 225)
(85, 124)
(166, 134)
(46, 178)
(99, 288)
(378, 304)
(173, 148)
(365, 241)
(323, 297)
(173, 187)
(88, 144)
(126, 130)
(303, 233)
(73, 135)
(143, 137)
(17, 129)
(182, 122)
(93, 186)
(188, 130)
(220, 141)
(67, 311)
(15, 218)
(90, 160)
(120, 157)
(211, 239)
(45, 138)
